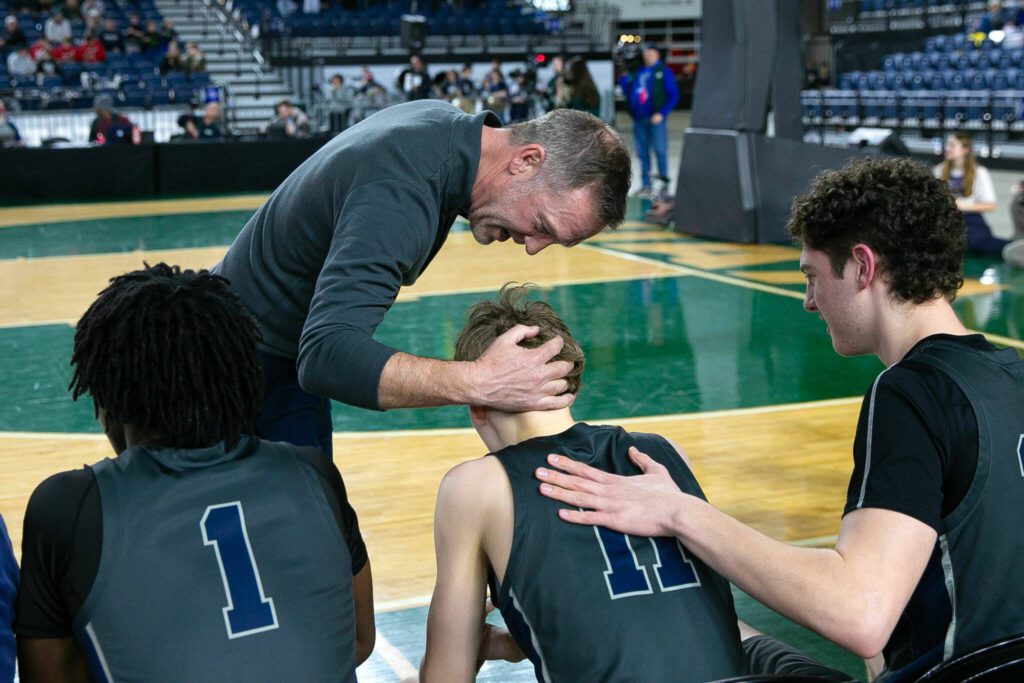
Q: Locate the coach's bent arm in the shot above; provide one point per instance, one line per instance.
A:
(507, 376)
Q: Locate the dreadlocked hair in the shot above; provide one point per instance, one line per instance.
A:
(172, 353)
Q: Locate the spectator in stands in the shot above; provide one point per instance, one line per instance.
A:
(207, 126)
(971, 184)
(1017, 210)
(579, 91)
(72, 10)
(651, 93)
(414, 80)
(108, 126)
(1013, 37)
(111, 38)
(13, 37)
(496, 88)
(518, 97)
(371, 96)
(172, 60)
(195, 60)
(91, 50)
(339, 99)
(92, 13)
(42, 52)
(368, 83)
(151, 42)
(65, 53)
(289, 122)
(992, 19)
(467, 87)
(57, 28)
(134, 34)
(553, 89)
(167, 33)
(9, 135)
(20, 63)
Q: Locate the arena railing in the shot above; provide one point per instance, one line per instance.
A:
(73, 126)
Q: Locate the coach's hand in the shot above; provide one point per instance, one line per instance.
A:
(641, 505)
(516, 379)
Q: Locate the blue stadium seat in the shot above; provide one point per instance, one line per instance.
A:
(136, 98)
(159, 97)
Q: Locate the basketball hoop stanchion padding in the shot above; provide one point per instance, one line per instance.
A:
(735, 182)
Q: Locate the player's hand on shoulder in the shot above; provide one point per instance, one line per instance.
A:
(641, 505)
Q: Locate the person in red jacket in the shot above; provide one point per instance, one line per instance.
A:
(64, 53)
(91, 50)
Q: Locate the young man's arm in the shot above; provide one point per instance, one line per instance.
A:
(852, 594)
(51, 660)
(456, 617)
(366, 628)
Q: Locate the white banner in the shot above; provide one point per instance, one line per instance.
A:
(658, 10)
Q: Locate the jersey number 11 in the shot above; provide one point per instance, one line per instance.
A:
(626, 577)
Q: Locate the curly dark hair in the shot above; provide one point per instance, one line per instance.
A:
(899, 209)
(172, 353)
(488, 320)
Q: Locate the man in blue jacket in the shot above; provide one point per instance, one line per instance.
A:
(651, 93)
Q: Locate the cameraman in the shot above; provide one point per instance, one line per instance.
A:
(651, 93)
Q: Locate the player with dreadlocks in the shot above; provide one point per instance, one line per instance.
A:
(199, 552)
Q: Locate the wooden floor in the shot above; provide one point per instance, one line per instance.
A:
(703, 342)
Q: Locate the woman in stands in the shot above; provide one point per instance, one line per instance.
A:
(579, 91)
(971, 183)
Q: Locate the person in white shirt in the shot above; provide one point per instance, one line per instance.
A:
(971, 184)
(57, 28)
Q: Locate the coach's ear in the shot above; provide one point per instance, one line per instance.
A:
(527, 160)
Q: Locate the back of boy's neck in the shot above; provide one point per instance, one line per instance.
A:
(519, 427)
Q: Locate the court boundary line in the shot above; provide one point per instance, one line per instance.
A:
(393, 657)
(761, 287)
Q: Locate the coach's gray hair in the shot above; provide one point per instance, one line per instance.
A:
(580, 151)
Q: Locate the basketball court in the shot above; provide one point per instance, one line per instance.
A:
(704, 342)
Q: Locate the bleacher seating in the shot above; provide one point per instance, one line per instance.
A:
(952, 81)
(130, 79)
(494, 17)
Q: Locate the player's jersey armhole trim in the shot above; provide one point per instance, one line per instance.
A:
(520, 520)
(869, 440)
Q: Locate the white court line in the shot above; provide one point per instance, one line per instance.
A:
(761, 287)
(395, 660)
(401, 604)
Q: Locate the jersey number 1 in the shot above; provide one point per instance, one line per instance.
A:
(249, 611)
(625, 576)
